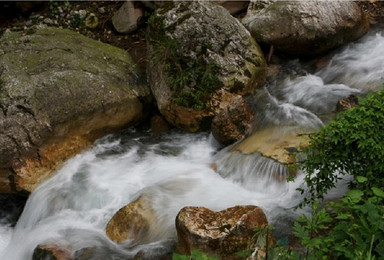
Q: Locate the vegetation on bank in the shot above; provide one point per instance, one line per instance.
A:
(191, 79)
(352, 227)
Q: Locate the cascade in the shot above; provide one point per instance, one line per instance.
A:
(71, 210)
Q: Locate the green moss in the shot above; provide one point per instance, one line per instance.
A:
(191, 79)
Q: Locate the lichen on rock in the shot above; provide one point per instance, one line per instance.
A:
(195, 50)
(60, 91)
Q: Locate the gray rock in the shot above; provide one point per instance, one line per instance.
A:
(48, 21)
(126, 18)
(59, 91)
(102, 10)
(305, 28)
(82, 13)
(200, 58)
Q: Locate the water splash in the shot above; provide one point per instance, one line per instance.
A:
(311, 93)
(72, 208)
(358, 65)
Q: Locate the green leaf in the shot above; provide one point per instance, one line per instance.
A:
(344, 216)
(361, 179)
(196, 254)
(380, 248)
(243, 253)
(179, 257)
(378, 192)
(355, 195)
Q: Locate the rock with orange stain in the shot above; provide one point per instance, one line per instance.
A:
(53, 252)
(276, 143)
(221, 233)
(131, 222)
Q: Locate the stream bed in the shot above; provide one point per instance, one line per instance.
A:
(72, 209)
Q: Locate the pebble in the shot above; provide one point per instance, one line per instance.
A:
(48, 21)
(29, 23)
(102, 10)
(82, 14)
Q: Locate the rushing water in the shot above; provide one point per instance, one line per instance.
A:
(72, 209)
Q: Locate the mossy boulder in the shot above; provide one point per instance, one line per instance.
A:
(200, 58)
(305, 28)
(59, 91)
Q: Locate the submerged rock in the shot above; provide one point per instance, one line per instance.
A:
(222, 233)
(132, 222)
(59, 91)
(51, 252)
(200, 58)
(305, 28)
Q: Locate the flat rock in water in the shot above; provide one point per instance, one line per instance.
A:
(274, 143)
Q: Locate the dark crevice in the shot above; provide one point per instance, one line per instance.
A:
(26, 110)
(15, 142)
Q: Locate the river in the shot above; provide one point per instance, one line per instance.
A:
(72, 209)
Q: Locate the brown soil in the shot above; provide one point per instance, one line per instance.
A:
(19, 16)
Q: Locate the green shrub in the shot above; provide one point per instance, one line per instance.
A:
(352, 228)
(353, 143)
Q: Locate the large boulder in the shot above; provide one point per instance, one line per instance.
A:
(59, 91)
(199, 59)
(305, 28)
(222, 233)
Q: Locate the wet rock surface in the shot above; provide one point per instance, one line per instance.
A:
(232, 123)
(131, 222)
(220, 233)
